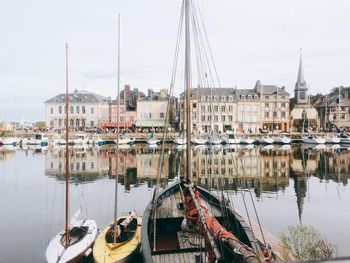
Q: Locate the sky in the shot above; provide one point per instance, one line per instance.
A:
(250, 40)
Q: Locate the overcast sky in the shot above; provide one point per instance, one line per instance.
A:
(250, 40)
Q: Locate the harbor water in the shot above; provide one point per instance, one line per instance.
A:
(289, 185)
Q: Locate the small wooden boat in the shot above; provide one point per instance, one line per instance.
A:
(74, 242)
(82, 235)
(126, 244)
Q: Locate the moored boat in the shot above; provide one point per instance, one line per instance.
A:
(313, 139)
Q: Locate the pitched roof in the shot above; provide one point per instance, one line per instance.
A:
(78, 96)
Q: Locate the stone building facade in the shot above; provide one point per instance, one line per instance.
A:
(86, 110)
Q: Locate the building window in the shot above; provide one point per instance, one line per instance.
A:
(216, 98)
(51, 110)
(267, 97)
(77, 110)
(275, 114)
(334, 116)
(60, 109)
(266, 105)
(202, 98)
(83, 110)
(230, 108)
(209, 117)
(203, 108)
(150, 115)
(302, 95)
(223, 98)
(161, 115)
(77, 123)
(230, 118)
(71, 109)
(266, 114)
(203, 118)
(283, 114)
(71, 123)
(92, 110)
(216, 108)
(216, 118)
(194, 116)
(283, 105)
(59, 123)
(223, 108)
(230, 98)
(209, 108)
(223, 118)
(194, 105)
(343, 116)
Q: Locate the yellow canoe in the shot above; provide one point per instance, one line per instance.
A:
(122, 250)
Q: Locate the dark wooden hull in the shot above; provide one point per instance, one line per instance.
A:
(167, 226)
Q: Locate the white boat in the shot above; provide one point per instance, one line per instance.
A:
(80, 139)
(124, 140)
(231, 138)
(214, 140)
(82, 236)
(198, 141)
(344, 138)
(9, 141)
(57, 140)
(265, 140)
(153, 141)
(282, 140)
(39, 139)
(180, 140)
(313, 139)
(247, 140)
(332, 139)
(98, 141)
(75, 241)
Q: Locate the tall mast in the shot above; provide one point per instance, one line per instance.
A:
(117, 154)
(339, 108)
(188, 86)
(67, 152)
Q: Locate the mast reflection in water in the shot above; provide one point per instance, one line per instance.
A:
(291, 185)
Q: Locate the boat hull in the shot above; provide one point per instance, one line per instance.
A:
(57, 253)
(125, 252)
(147, 224)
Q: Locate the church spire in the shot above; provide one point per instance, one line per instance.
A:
(300, 91)
(300, 78)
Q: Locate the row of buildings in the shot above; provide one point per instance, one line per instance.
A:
(263, 108)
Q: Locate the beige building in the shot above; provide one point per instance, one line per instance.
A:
(265, 107)
(86, 110)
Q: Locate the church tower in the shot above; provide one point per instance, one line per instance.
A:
(300, 91)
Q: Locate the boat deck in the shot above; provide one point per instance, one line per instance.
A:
(174, 245)
(170, 208)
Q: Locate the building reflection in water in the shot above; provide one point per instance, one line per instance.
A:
(263, 169)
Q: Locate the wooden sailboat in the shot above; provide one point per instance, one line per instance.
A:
(187, 223)
(74, 242)
(120, 240)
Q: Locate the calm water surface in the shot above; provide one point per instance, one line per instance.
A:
(289, 186)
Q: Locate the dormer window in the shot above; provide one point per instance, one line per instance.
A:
(202, 98)
(230, 98)
(223, 98)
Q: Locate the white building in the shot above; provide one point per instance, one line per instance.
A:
(86, 110)
(151, 110)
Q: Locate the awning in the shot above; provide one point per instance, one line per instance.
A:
(151, 123)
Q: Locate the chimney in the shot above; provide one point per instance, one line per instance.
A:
(127, 93)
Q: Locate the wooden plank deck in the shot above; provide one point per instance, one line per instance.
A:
(185, 257)
(170, 208)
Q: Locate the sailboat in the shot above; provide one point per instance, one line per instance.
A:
(185, 222)
(120, 240)
(73, 243)
(312, 138)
